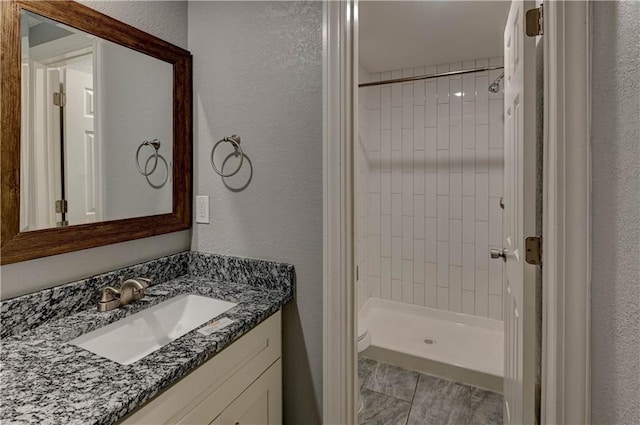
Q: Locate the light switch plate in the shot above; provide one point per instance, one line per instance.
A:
(202, 209)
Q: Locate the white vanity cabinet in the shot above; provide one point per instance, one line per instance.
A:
(241, 385)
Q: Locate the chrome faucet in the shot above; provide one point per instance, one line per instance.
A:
(130, 290)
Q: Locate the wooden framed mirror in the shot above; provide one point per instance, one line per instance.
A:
(48, 45)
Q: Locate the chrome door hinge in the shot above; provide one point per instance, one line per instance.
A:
(533, 250)
(534, 21)
(61, 206)
(60, 99)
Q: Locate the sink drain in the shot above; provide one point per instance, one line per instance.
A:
(429, 341)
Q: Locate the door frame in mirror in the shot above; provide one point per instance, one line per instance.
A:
(16, 246)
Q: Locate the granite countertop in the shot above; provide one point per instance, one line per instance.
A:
(45, 380)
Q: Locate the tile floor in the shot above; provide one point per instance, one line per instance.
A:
(395, 396)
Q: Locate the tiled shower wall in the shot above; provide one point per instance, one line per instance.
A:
(434, 155)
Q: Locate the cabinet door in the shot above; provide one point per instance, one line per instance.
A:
(260, 404)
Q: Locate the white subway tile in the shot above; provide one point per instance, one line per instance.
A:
(482, 63)
(468, 125)
(385, 278)
(374, 286)
(396, 289)
(385, 193)
(373, 144)
(431, 192)
(407, 150)
(455, 242)
(455, 102)
(495, 222)
(373, 242)
(468, 267)
(385, 108)
(455, 289)
(482, 293)
(396, 89)
(431, 99)
(496, 171)
(418, 260)
(468, 302)
(455, 66)
(385, 235)
(407, 281)
(443, 85)
(443, 126)
(396, 172)
(418, 216)
(430, 275)
(468, 219)
(407, 105)
(418, 87)
(418, 294)
(374, 179)
(407, 238)
(482, 245)
(443, 172)
(418, 174)
(385, 150)
(431, 147)
(374, 214)
(495, 277)
(443, 298)
(407, 72)
(482, 149)
(469, 82)
(496, 123)
(373, 120)
(482, 197)
(396, 129)
(443, 218)
(468, 172)
(407, 194)
(455, 195)
(495, 307)
(418, 128)
(430, 239)
(482, 99)
(455, 152)
(396, 214)
(443, 263)
(396, 257)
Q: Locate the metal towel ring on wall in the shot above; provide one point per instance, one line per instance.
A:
(155, 144)
(235, 141)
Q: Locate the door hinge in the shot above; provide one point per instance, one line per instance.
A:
(534, 21)
(60, 99)
(61, 206)
(533, 250)
(357, 273)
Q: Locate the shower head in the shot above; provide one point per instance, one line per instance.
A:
(495, 86)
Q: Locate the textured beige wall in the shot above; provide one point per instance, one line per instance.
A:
(615, 284)
(258, 73)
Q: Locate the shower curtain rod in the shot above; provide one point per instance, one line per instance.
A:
(426, 77)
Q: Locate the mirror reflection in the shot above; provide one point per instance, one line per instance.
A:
(97, 129)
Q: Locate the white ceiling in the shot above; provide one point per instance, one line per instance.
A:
(406, 34)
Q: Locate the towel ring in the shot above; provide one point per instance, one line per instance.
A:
(155, 144)
(235, 141)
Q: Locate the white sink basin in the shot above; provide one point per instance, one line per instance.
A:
(140, 334)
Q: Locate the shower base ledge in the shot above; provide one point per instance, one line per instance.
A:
(464, 348)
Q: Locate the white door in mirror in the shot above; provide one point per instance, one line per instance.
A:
(138, 335)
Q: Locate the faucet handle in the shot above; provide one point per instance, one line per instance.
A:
(145, 281)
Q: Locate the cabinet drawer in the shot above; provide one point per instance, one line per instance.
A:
(261, 403)
(236, 367)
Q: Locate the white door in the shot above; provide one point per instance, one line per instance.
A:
(80, 147)
(520, 212)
